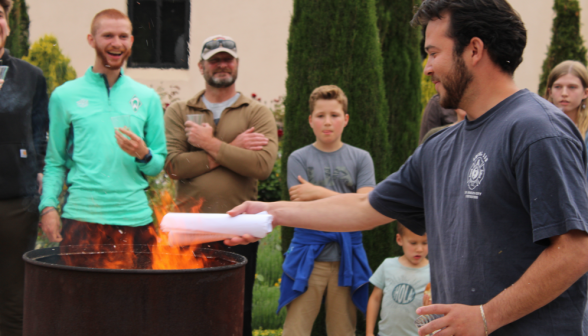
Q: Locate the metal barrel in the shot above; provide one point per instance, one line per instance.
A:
(67, 300)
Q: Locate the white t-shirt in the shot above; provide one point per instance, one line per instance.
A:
(403, 289)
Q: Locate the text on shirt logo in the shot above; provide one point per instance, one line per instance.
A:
(476, 174)
(82, 103)
(403, 293)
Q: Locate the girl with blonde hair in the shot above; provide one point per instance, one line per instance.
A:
(567, 89)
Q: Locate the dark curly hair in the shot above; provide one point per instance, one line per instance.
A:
(495, 22)
(7, 5)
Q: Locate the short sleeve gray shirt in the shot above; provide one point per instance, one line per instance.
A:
(344, 171)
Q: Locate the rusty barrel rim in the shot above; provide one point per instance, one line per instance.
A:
(32, 257)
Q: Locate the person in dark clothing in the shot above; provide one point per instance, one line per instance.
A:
(23, 140)
(435, 116)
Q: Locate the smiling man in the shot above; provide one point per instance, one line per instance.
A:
(220, 161)
(104, 169)
(504, 192)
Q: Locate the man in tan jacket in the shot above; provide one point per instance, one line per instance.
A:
(220, 160)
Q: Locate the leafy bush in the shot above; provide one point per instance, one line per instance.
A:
(270, 189)
(46, 54)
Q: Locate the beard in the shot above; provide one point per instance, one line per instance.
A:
(220, 83)
(113, 66)
(455, 84)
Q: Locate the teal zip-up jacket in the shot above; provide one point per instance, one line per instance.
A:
(105, 184)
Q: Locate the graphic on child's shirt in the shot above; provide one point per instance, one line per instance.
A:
(339, 174)
(403, 294)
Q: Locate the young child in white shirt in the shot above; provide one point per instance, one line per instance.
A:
(399, 286)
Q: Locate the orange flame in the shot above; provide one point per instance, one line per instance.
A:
(163, 256)
(167, 257)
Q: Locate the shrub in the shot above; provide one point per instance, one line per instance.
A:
(46, 54)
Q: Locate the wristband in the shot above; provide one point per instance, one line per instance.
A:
(146, 159)
(484, 319)
(47, 211)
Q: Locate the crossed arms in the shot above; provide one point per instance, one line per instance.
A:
(252, 153)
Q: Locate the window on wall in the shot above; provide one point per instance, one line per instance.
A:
(161, 29)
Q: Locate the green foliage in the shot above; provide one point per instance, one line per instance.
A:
(566, 41)
(402, 77)
(270, 189)
(260, 332)
(427, 87)
(266, 290)
(18, 20)
(340, 48)
(46, 54)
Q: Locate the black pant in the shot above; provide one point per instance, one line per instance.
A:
(19, 220)
(249, 252)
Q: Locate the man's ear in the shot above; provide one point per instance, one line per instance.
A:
(475, 50)
(201, 67)
(91, 41)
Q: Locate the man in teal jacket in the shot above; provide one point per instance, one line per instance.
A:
(104, 169)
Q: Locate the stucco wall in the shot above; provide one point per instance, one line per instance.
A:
(260, 28)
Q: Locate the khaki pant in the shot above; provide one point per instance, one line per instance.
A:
(341, 312)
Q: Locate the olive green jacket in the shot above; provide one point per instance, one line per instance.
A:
(235, 180)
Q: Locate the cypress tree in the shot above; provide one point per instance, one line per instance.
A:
(402, 77)
(566, 41)
(18, 20)
(336, 42)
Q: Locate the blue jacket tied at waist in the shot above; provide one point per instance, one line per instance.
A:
(354, 270)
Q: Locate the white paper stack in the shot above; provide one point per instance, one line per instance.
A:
(194, 228)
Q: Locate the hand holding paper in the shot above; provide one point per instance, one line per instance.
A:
(190, 229)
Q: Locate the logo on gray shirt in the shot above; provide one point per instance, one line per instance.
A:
(477, 171)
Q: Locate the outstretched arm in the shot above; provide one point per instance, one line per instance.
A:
(341, 213)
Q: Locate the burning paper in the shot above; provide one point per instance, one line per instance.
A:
(199, 228)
